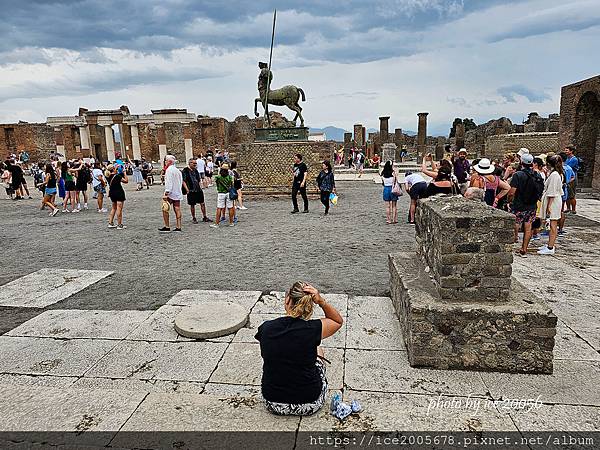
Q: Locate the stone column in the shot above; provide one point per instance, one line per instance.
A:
(60, 143)
(460, 136)
(422, 134)
(84, 136)
(110, 142)
(347, 140)
(439, 147)
(358, 135)
(162, 143)
(187, 142)
(135, 143)
(384, 127)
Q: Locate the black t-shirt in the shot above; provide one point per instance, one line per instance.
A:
(116, 191)
(191, 177)
(432, 189)
(16, 173)
(523, 200)
(299, 171)
(289, 350)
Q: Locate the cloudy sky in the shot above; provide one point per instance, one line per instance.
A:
(355, 59)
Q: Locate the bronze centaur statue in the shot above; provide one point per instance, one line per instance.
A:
(285, 96)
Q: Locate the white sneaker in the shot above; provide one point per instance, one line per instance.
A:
(78, 205)
(85, 206)
(214, 225)
(110, 225)
(546, 251)
(103, 210)
(75, 211)
(243, 208)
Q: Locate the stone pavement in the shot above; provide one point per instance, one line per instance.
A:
(99, 360)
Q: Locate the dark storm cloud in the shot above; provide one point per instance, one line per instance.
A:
(104, 81)
(156, 26)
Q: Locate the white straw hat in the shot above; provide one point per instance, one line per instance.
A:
(484, 167)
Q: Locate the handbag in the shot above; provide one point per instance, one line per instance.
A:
(396, 189)
(333, 198)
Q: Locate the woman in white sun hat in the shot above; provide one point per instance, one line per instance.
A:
(495, 187)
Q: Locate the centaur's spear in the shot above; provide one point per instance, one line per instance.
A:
(269, 72)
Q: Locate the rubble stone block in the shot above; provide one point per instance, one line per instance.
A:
(516, 335)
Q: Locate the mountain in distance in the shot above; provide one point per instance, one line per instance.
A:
(337, 134)
(332, 133)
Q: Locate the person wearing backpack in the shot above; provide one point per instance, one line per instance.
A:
(526, 188)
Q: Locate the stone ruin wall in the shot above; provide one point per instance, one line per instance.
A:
(537, 143)
(39, 139)
(36, 138)
(580, 125)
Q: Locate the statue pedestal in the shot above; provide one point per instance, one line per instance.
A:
(266, 167)
(281, 134)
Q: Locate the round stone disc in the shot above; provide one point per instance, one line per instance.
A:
(210, 320)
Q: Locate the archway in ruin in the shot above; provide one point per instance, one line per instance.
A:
(587, 127)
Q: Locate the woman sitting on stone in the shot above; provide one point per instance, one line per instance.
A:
(293, 380)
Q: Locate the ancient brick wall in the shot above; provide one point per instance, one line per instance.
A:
(537, 143)
(35, 138)
(175, 140)
(98, 142)
(148, 141)
(475, 140)
(580, 125)
(266, 167)
(467, 246)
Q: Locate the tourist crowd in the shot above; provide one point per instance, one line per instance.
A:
(539, 191)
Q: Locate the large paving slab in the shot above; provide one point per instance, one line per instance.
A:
(389, 371)
(188, 297)
(573, 298)
(557, 417)
(572, 383)
(567, 345)
(77, 323)
(175, 361)
(242, 365)
(177, 413)
(160, 327)
(35, 408)
(372, 324)
(136, 385)
(233, 390)
(43, 356)
(397, 412)
(47, 286)
(37, 380)
(589, 208)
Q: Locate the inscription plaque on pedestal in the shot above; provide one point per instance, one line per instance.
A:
(281, 134)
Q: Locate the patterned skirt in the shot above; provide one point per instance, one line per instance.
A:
(302, 409)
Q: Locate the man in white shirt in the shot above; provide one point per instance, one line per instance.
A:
(173, 194)
(201, 168)
(416, 187)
